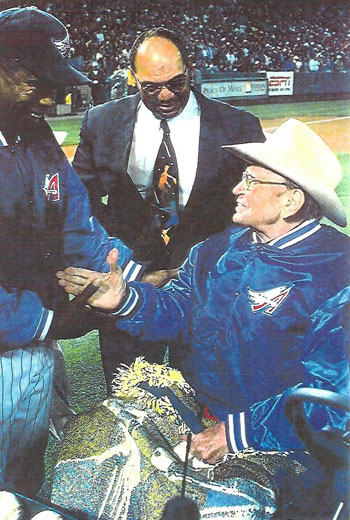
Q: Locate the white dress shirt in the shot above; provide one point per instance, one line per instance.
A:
(184, 134)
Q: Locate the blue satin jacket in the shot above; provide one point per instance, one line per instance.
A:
(46, 225)
(258, 319)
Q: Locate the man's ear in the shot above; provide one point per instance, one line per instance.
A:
(131, 78)
(294, 201)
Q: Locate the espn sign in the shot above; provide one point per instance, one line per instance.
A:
(280, 83)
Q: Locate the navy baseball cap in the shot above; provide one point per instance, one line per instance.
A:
(40, 42)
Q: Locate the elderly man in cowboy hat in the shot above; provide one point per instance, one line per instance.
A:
(260, 306)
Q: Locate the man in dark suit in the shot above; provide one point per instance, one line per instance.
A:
(118, 155)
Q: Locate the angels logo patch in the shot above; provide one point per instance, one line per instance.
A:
(52, 187)
(268, 301)
(63, 46)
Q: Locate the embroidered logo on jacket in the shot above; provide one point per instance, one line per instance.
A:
(63, 46)
(268, 301)
(52, 187)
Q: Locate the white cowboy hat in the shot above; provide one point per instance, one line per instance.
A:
(294, 151)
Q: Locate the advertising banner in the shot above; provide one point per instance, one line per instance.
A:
(234, 88)
(280, 83)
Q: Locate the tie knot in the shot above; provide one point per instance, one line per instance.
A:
(165, 127)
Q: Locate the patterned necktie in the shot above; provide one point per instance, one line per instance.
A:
(166, 186)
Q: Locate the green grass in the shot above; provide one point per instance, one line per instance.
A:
(67, 124)
(343, 190)
(84, 371)
(86, 379)
(315, 108)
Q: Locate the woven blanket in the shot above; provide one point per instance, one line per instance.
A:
(123, 460)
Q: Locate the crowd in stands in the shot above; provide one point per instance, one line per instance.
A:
(223, 35)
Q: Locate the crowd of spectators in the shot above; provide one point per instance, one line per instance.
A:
(223, 35)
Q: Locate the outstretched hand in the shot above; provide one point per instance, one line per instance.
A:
(111, 286)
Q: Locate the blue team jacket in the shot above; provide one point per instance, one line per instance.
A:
(258, 320)
(45, 225)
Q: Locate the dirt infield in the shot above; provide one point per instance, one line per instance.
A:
(69, 151)
(335, 131)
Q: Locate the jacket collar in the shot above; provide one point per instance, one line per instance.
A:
(297, 234)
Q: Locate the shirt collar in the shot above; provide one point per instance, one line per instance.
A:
(300, 232)
(190, 111)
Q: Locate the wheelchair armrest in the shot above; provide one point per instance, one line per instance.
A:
(318, 395)
(330, 448)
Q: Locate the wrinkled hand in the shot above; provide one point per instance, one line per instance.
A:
(160, 278)
(111, 286)
(210, 445)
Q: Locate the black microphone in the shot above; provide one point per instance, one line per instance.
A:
(182, 507)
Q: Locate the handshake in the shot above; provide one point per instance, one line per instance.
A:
(101, 290)
(97, 295)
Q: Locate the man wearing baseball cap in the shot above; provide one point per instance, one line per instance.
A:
(262, 307)
(45, 223)
(34, 52)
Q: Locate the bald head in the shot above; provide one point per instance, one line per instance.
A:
(160, 32)
(158, 60)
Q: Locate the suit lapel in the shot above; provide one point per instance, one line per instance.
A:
(207, 137)
(125, 122)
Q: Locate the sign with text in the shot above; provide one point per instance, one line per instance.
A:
(234, 88)
(280, 83)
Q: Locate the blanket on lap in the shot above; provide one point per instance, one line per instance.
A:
(123, 460)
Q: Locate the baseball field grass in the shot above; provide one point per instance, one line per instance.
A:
(331, 120)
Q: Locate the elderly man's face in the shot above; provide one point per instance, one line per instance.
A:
(23, 96)
(260, 205)
(162, 80)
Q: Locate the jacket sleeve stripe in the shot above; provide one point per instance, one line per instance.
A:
(236, 432)
(230, 435)
(243, 429)
(44, 325)
(129, 305)
(131, 271)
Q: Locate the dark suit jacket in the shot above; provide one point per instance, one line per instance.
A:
(102, 158)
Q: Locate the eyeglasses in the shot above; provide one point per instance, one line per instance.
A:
(250, 181)
(175, 85)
